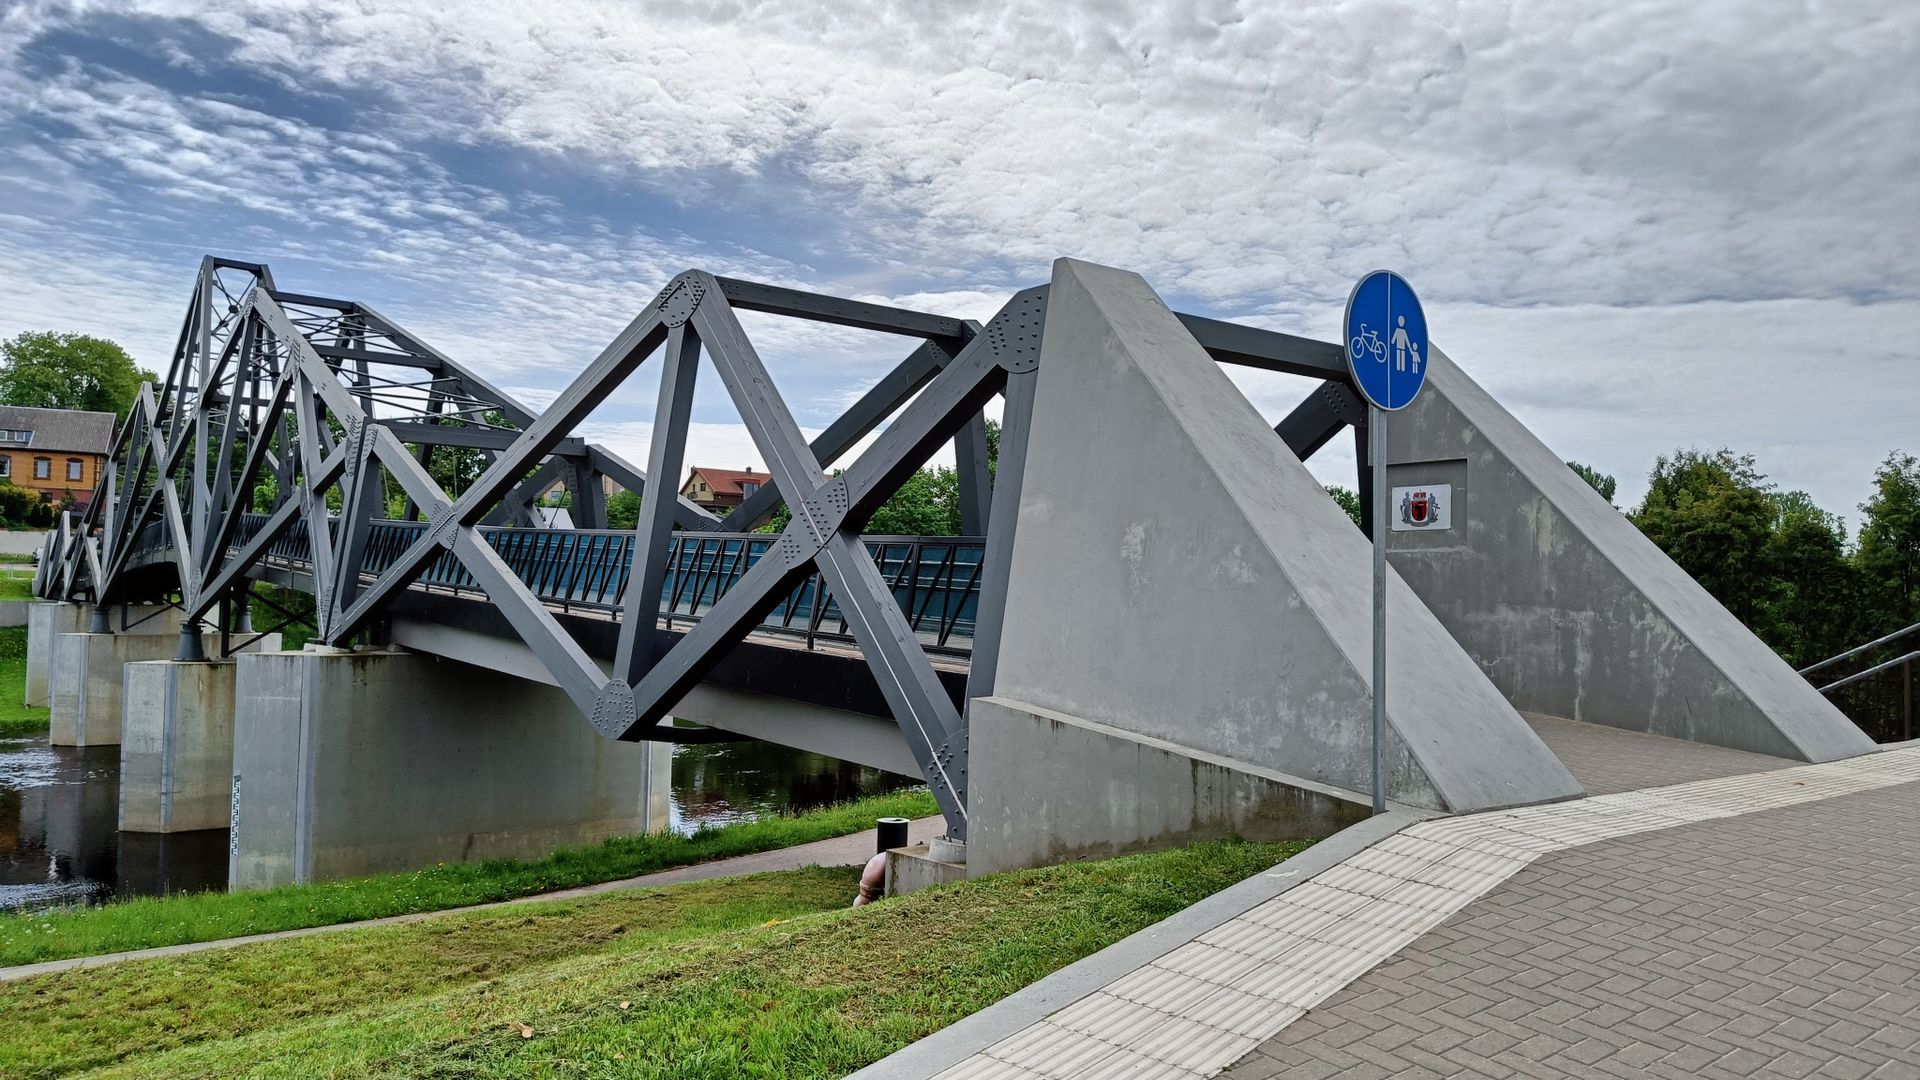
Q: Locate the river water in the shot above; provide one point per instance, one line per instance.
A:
(60, 806)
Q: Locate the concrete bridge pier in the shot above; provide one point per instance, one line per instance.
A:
(46, 620)
(350, 763)
(86, 671)
(176, 749)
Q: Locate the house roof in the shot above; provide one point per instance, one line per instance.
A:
(727, 481)
(62, 430)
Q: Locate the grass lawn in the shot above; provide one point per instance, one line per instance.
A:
(769, 976)
(15, 718)
(174, 920)
(16, 583)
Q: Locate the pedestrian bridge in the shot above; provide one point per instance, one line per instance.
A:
(1157, 626)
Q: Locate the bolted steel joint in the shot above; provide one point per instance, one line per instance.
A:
(1014, 334)
(614, 712)
(443, 526)
(680, 299)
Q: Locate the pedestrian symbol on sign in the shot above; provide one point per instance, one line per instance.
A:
(1384, 323)
(1403, 347)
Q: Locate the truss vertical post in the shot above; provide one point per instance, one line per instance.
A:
(975, 475)
(653, 533)
(1016, 420)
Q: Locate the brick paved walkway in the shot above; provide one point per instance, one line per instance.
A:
(1755, 919)
(1784, 943)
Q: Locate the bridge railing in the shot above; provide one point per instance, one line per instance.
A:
(935, 580)
(1874, 683)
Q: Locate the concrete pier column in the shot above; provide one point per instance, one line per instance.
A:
(368, 762)
(88, 680)
(47, 619)
(176, 749)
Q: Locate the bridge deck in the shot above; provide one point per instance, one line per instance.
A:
(1748, 923)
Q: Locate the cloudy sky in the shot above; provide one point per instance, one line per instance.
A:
(1640, 225)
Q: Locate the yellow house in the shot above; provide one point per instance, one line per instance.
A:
(57, 452)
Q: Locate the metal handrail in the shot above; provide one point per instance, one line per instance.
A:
(936, 580)
(1874, 670)
(1858, 649)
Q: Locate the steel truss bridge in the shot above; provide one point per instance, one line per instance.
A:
(285, 419)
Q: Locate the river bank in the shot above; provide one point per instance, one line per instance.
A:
(150, 922)
(770, 975)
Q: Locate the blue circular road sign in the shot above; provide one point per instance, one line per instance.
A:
(1386, 337)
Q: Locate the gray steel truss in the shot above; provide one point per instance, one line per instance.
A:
(322, 414)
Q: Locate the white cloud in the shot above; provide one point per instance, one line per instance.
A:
(1607, 206)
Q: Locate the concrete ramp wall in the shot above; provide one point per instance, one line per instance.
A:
(1568, 607)
(1178, 574)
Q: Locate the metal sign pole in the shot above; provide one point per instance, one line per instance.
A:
(1386, 333)
(1377, 450)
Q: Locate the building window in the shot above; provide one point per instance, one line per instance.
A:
(42, 468)
(74, 468)
(748, 487)
(6, 465)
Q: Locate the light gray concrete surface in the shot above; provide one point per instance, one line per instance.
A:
(47, 619)
(1569, 608)
(1051, 993)
(1205, 591)
(176, 746)
(357, 763)
(912, 868)
(14, 612)
(853, 849)
(88, 680)
(1048, 788)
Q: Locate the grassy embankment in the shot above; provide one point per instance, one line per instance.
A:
(769, 976)
(174, 920)
(16, 719)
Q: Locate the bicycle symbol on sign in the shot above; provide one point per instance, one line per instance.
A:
(1368, 342)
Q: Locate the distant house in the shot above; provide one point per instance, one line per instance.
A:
(720, 490)
(57, 452)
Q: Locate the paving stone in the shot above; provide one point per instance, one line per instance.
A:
(1778, 944)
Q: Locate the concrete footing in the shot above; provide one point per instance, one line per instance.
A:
(910, 869)
(368, 762)
(176, 750)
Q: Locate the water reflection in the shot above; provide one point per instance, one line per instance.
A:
(59, 834)
(60, 842)
(721, 782)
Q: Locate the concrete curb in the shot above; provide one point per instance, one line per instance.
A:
(850, 850)
(960, 1040)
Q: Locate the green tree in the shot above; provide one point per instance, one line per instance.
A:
(1811, 612)
(623, 510)
(1349, 501)
(69, 371)
(1597, 480)
(1889, 554)
(928, 504)
(1710, 512)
